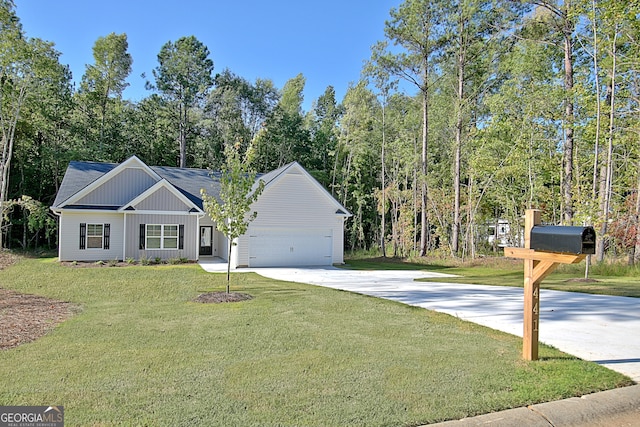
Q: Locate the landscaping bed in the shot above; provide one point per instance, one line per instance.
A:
(24, 317)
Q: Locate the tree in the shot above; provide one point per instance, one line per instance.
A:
(323, 123)
(235, 111)
(102, 86)
(28, 69)
(562, 18)
(384, 85)
(292, 95)
(238, 191)
(356, 168)
(414, 27)
(183, 77)
(474, 40)
(284, 136)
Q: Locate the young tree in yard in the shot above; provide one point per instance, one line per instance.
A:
(238, 191)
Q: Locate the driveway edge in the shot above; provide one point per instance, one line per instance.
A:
(619, 407)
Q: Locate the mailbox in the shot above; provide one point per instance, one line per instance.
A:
(563, 239)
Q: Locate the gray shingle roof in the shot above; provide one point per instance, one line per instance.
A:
(78, 176)
(188, 181)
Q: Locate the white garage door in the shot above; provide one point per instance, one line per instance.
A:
(290, 247)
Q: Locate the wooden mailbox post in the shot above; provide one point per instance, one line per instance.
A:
(537, 266)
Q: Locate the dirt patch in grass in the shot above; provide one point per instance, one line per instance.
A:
(581, 280)
(6, 259)
(25, 318)
(219, 297)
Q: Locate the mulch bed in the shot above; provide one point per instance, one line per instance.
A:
(25, 318)
(218, 297)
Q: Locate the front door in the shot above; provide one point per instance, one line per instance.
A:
(206, 240)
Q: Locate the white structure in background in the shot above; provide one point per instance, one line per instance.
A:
(499, 234)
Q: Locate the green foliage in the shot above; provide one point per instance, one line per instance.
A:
(235, 111)
(184, 70)
(183, 77)
(112, 65)
(238, 191)
(478, 84)
(29, 73)
(101, 108)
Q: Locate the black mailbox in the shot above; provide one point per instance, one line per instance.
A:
(563, 239)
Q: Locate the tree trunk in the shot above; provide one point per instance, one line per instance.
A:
(8, 137)
(382, 186)
(605, 196)
(600, 236)
(567, 155)
(596, 72)
(424, 229)
(455, 234)
(637, 219)
(182, 137)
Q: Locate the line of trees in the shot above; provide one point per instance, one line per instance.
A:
(469, 111)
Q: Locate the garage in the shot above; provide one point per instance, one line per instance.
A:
(290, 247)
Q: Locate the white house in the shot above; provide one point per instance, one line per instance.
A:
(113, 211)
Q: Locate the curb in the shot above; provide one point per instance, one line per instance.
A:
(612, 408)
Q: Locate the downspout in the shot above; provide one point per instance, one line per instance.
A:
(59, 215)
(124, 239)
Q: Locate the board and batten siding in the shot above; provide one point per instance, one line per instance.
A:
(293, 202)
(69, 237)
(120, 189)
(191, 235)
(162, 200)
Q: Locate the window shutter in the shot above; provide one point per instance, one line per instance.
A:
(181, 236)
(142, 240)
(83, 235)
(107, 235)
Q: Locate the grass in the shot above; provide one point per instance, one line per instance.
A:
(606, 279)
(140, 353)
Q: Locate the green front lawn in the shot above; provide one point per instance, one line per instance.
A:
(140, 353)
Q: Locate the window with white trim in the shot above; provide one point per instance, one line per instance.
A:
(94, 236)
(162, 236)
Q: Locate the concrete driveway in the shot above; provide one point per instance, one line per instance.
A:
(602, 329)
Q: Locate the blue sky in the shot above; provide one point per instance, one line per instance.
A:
(327, 41)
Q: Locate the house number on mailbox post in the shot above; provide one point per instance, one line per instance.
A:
(544, 249)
